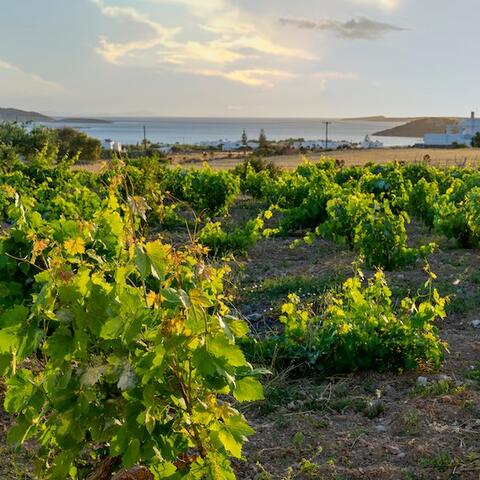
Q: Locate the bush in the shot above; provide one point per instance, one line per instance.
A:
(381, 238)
(423, 200)
(371, 229)
(204, 190)
(238, 240)
(118, 350)
(360, 329)
(73, 143)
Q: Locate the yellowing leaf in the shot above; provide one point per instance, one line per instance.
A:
(74, 246)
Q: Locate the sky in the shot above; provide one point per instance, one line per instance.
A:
(240, 58)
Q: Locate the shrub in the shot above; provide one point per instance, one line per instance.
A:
(423, 201)
(205, 190)
(115, 351)
(360, 328)
(238, 240)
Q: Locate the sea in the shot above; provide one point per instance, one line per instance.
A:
(196, 130)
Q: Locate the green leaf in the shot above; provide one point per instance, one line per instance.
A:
(113, 328)
(20, 390)
(248, 389)
(14, 316)
(60, 345)
(157, 254)
(220, 347)
(132, 454)
(9, 339)
(233, 434)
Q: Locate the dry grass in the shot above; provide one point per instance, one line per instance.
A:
(441, 157)
(438, 157)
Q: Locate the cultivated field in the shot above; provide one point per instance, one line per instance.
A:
(153, 319)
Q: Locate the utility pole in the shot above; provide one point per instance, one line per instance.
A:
(145, 138)
(327, 123)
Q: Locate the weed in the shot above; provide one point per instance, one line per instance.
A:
(443, 461)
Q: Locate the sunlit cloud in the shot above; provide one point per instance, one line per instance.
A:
(235, 42)
(255, 77)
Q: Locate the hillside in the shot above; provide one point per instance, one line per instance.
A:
(16, 115)
(418, 128)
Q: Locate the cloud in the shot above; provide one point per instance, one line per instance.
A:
(357, 28)
(388, 4)
(255, 77)
(232, 47)
(19, 80)
(200, 8)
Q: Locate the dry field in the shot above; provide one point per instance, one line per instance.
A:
(438, 157)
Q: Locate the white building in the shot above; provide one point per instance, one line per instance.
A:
(369, 143)
(320, 144)
(111, 145)
(461, 133)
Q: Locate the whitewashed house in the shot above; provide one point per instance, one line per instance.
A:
(320, 144)
(461, 133)
(112, 145)
(369, 143)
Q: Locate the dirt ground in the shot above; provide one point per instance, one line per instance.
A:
(366, 425)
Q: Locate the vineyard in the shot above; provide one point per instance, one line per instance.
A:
(254, 323)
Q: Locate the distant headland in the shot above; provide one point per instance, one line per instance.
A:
(17, 115)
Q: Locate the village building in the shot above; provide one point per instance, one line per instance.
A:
(461, 133)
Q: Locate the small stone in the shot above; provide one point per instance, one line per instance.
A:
(380, 428)
(445, 378)
(254, 317)
(422, 381)
(389, 390)
(476, 323)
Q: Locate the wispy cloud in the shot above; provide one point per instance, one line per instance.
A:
(236, 50)
(255, 77)
(357, 28)
(28, 78)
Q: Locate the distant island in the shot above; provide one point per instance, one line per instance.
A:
(419, 127)
(82, 120)
(16, 115)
